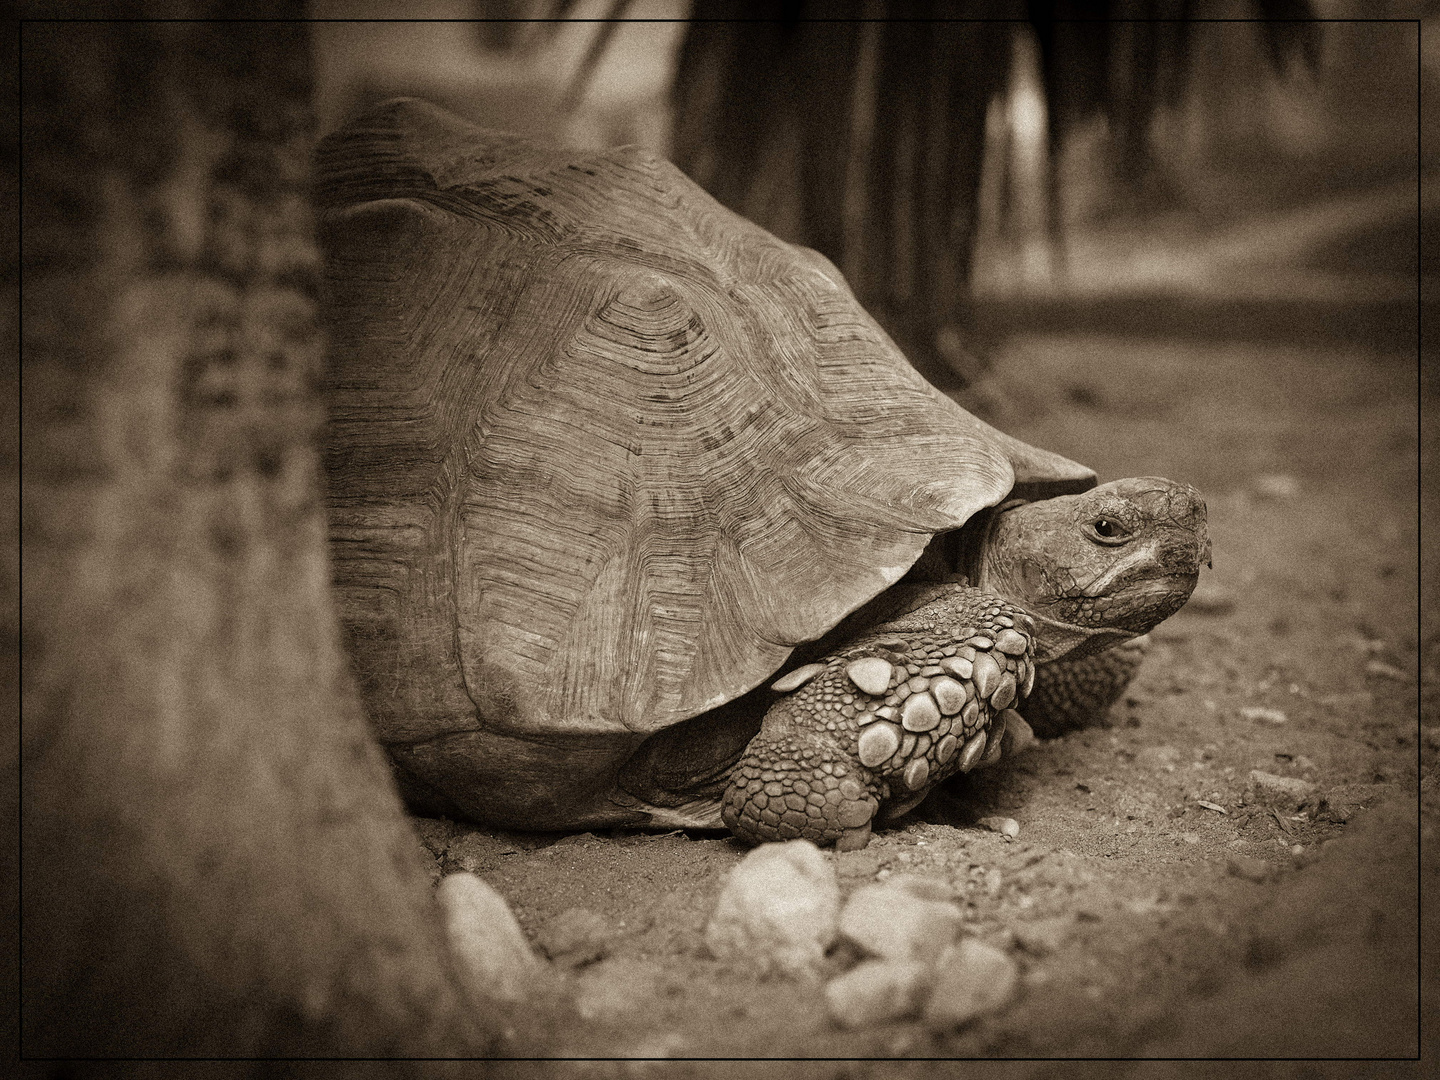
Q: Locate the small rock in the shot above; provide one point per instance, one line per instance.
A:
(1247, 867)
(1006, 826)
(876, 991)
(1255, 713)
(777, 910)
(889, 920)
(1289, 790)
(973, 979)
(1043, 936)
(1210, 599)
(1384, 670)
(483, 934)
(1278, 486)
(575, 937)
(617, 989)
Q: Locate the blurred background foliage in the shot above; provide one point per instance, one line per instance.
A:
(1217, 166)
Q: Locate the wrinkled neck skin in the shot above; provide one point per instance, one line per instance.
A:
(1097, 568)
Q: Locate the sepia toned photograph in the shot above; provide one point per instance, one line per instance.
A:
(824, 539)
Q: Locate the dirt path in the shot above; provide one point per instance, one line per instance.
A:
(1144, 921)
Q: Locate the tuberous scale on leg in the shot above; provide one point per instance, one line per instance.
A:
(877, 725)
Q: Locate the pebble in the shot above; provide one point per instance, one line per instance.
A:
(973, 979)
(777, 910)
(1247, 867)
(493, 953)
(877, 991)
(1268, 716)
(1043, 936)
(1289, 789)
(890, 921)
(575, 937)
(1005, 826)
(617, 988)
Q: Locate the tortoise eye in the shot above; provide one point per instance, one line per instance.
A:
(1108, 528)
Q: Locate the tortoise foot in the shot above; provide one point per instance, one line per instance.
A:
(863, 735)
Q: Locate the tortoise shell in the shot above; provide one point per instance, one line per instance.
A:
(601, 451)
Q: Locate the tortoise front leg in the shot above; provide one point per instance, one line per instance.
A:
(866, 732)
(1071, 694)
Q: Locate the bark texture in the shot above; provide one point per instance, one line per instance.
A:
(215, 862)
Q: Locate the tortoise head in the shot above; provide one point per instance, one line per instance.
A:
(1107, 564)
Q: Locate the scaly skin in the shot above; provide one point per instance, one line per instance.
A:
(865, 733)
(1071, 694)
(831, 755)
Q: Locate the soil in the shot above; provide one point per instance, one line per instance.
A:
(1156, 902)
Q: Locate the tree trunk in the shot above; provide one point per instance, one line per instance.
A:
(215, 861)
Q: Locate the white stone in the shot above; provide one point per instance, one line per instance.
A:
(877, 991)
(972, 979)
(777, 910)
(617, 989)
(493, 954)
(891, 921)
(1282, 789)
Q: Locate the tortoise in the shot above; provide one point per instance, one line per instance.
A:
(605, 459)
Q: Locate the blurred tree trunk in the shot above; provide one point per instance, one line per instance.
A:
(215, 861)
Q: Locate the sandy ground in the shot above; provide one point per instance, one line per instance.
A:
(1137, 931)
